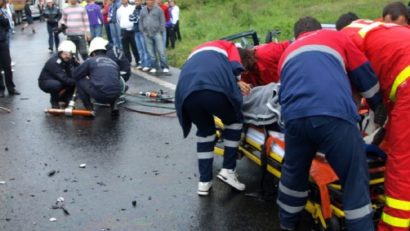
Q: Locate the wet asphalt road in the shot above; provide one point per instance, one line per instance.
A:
(137, 158)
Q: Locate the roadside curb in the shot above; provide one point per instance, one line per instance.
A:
(157, 79)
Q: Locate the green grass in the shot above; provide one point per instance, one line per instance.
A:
(205, 20)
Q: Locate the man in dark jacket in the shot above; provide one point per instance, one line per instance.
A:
(118, 56)
(56, 76)
(5, 59)
(144, 62)
(52, 15)
(99, 78)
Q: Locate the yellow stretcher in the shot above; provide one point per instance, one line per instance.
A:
(325, 197)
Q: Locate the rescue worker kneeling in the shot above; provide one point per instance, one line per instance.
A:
(98, 78)
(56, 76)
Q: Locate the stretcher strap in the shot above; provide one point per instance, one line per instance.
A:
(269, 143)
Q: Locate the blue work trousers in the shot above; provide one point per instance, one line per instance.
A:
(200, 107)
(343, 147)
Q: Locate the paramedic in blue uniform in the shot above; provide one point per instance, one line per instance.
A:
(56, 75)
(317, 74)
(98, 78)
(208, 87)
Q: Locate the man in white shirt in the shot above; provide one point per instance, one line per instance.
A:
(127, 30)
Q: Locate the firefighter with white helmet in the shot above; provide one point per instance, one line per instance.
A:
(114, 53)
(98, 77)
(56, 75)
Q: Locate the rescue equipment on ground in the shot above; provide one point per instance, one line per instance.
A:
(70, 110)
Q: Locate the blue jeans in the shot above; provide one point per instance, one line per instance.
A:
(53, 38)
(164, 37)
(155, 44)
(96, 30)
(116, 34)
(142, 49)
(108, 32)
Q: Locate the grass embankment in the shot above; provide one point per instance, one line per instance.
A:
(205, 20)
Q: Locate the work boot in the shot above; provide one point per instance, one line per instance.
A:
(55, 105)
(114, 109)
(88, 105)
(204, 187)
(2, 94)
(229, 176)
(14, 92)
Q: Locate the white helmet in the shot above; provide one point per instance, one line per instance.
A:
(67, 46)
(97, 43)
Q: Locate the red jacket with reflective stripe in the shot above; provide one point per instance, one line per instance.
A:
(388, 49)
(353, 29)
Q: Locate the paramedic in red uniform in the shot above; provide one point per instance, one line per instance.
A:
(388, 48)
(316, 72)
(207, 87)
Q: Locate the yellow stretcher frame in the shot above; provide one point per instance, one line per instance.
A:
(311, 207)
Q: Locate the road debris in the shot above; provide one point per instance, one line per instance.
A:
(60, 205)
(51, 173)
(83, 165)
(53, 219)
(2, 182)
(134, 203)
(5, 109)
(101, 183)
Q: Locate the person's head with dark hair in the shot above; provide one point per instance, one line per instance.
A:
(345, 19)
(396, 12)
(248, 58)
(306, 24)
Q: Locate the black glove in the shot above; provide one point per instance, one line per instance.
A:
(380, 114)
(379, 136)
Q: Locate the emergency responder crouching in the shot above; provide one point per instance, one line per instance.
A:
(99, 78)
(207, 87)
(117, 55)
(56, 76)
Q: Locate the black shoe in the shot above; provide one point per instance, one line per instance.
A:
(14, 92)
(55, 106)
(2, 94)
(114, 109)
(88, 106)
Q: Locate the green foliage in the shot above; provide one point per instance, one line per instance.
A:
(205, 20)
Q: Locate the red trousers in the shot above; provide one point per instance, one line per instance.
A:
(396, 213)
